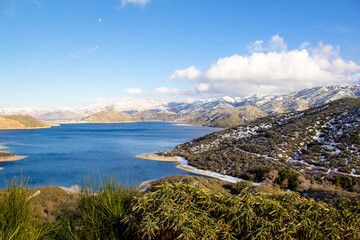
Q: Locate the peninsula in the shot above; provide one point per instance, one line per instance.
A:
(182, 164)
(21, 122)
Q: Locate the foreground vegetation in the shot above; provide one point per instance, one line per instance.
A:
(17, 220)
(174, 208)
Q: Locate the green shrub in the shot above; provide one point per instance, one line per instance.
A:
(180, 211)
(17, 220)
(236, 188)
(287, 179)
(314, 148)
(99, 213)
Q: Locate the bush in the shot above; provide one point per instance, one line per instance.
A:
(182, 211)
(287, 179)
(17, 220)
(99, 213)
(236, 188)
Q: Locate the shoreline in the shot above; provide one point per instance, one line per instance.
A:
(145, 185)
(12, 159)
(182, 164)
(154, 157)
(185, 124)
(26, 128)
(130, 121)
(175, 123)
(9, 159)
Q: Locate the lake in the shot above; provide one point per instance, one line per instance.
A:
(66, 155)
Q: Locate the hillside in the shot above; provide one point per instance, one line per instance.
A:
(27, 121)
(321, 144)
(154, 116)
(9, 124)
(107, 116)
(224, 117)
(305, 99)
(20, 122)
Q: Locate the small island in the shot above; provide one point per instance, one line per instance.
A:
(8, 156)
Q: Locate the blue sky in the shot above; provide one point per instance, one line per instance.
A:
(73, 53)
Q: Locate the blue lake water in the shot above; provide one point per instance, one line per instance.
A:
(65, 155)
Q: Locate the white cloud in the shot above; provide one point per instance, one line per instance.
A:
(167, 91)
(256, 46)
(82, 53)
(274, 69)
(202, 87)
(139, 2)
(305, 44)
(277, 43)
(133, 90)
(189, 73)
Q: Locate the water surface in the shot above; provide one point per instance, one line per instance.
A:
(65, 155)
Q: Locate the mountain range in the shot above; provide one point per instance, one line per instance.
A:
(217, 112)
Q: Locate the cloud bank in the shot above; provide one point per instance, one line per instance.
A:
(189, 73)
(133, 91)
(270, 68)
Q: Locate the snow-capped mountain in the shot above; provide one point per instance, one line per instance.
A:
(125, 105)
(295, 101)
(42, 113)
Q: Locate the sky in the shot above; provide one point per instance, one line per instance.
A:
(72, 53)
